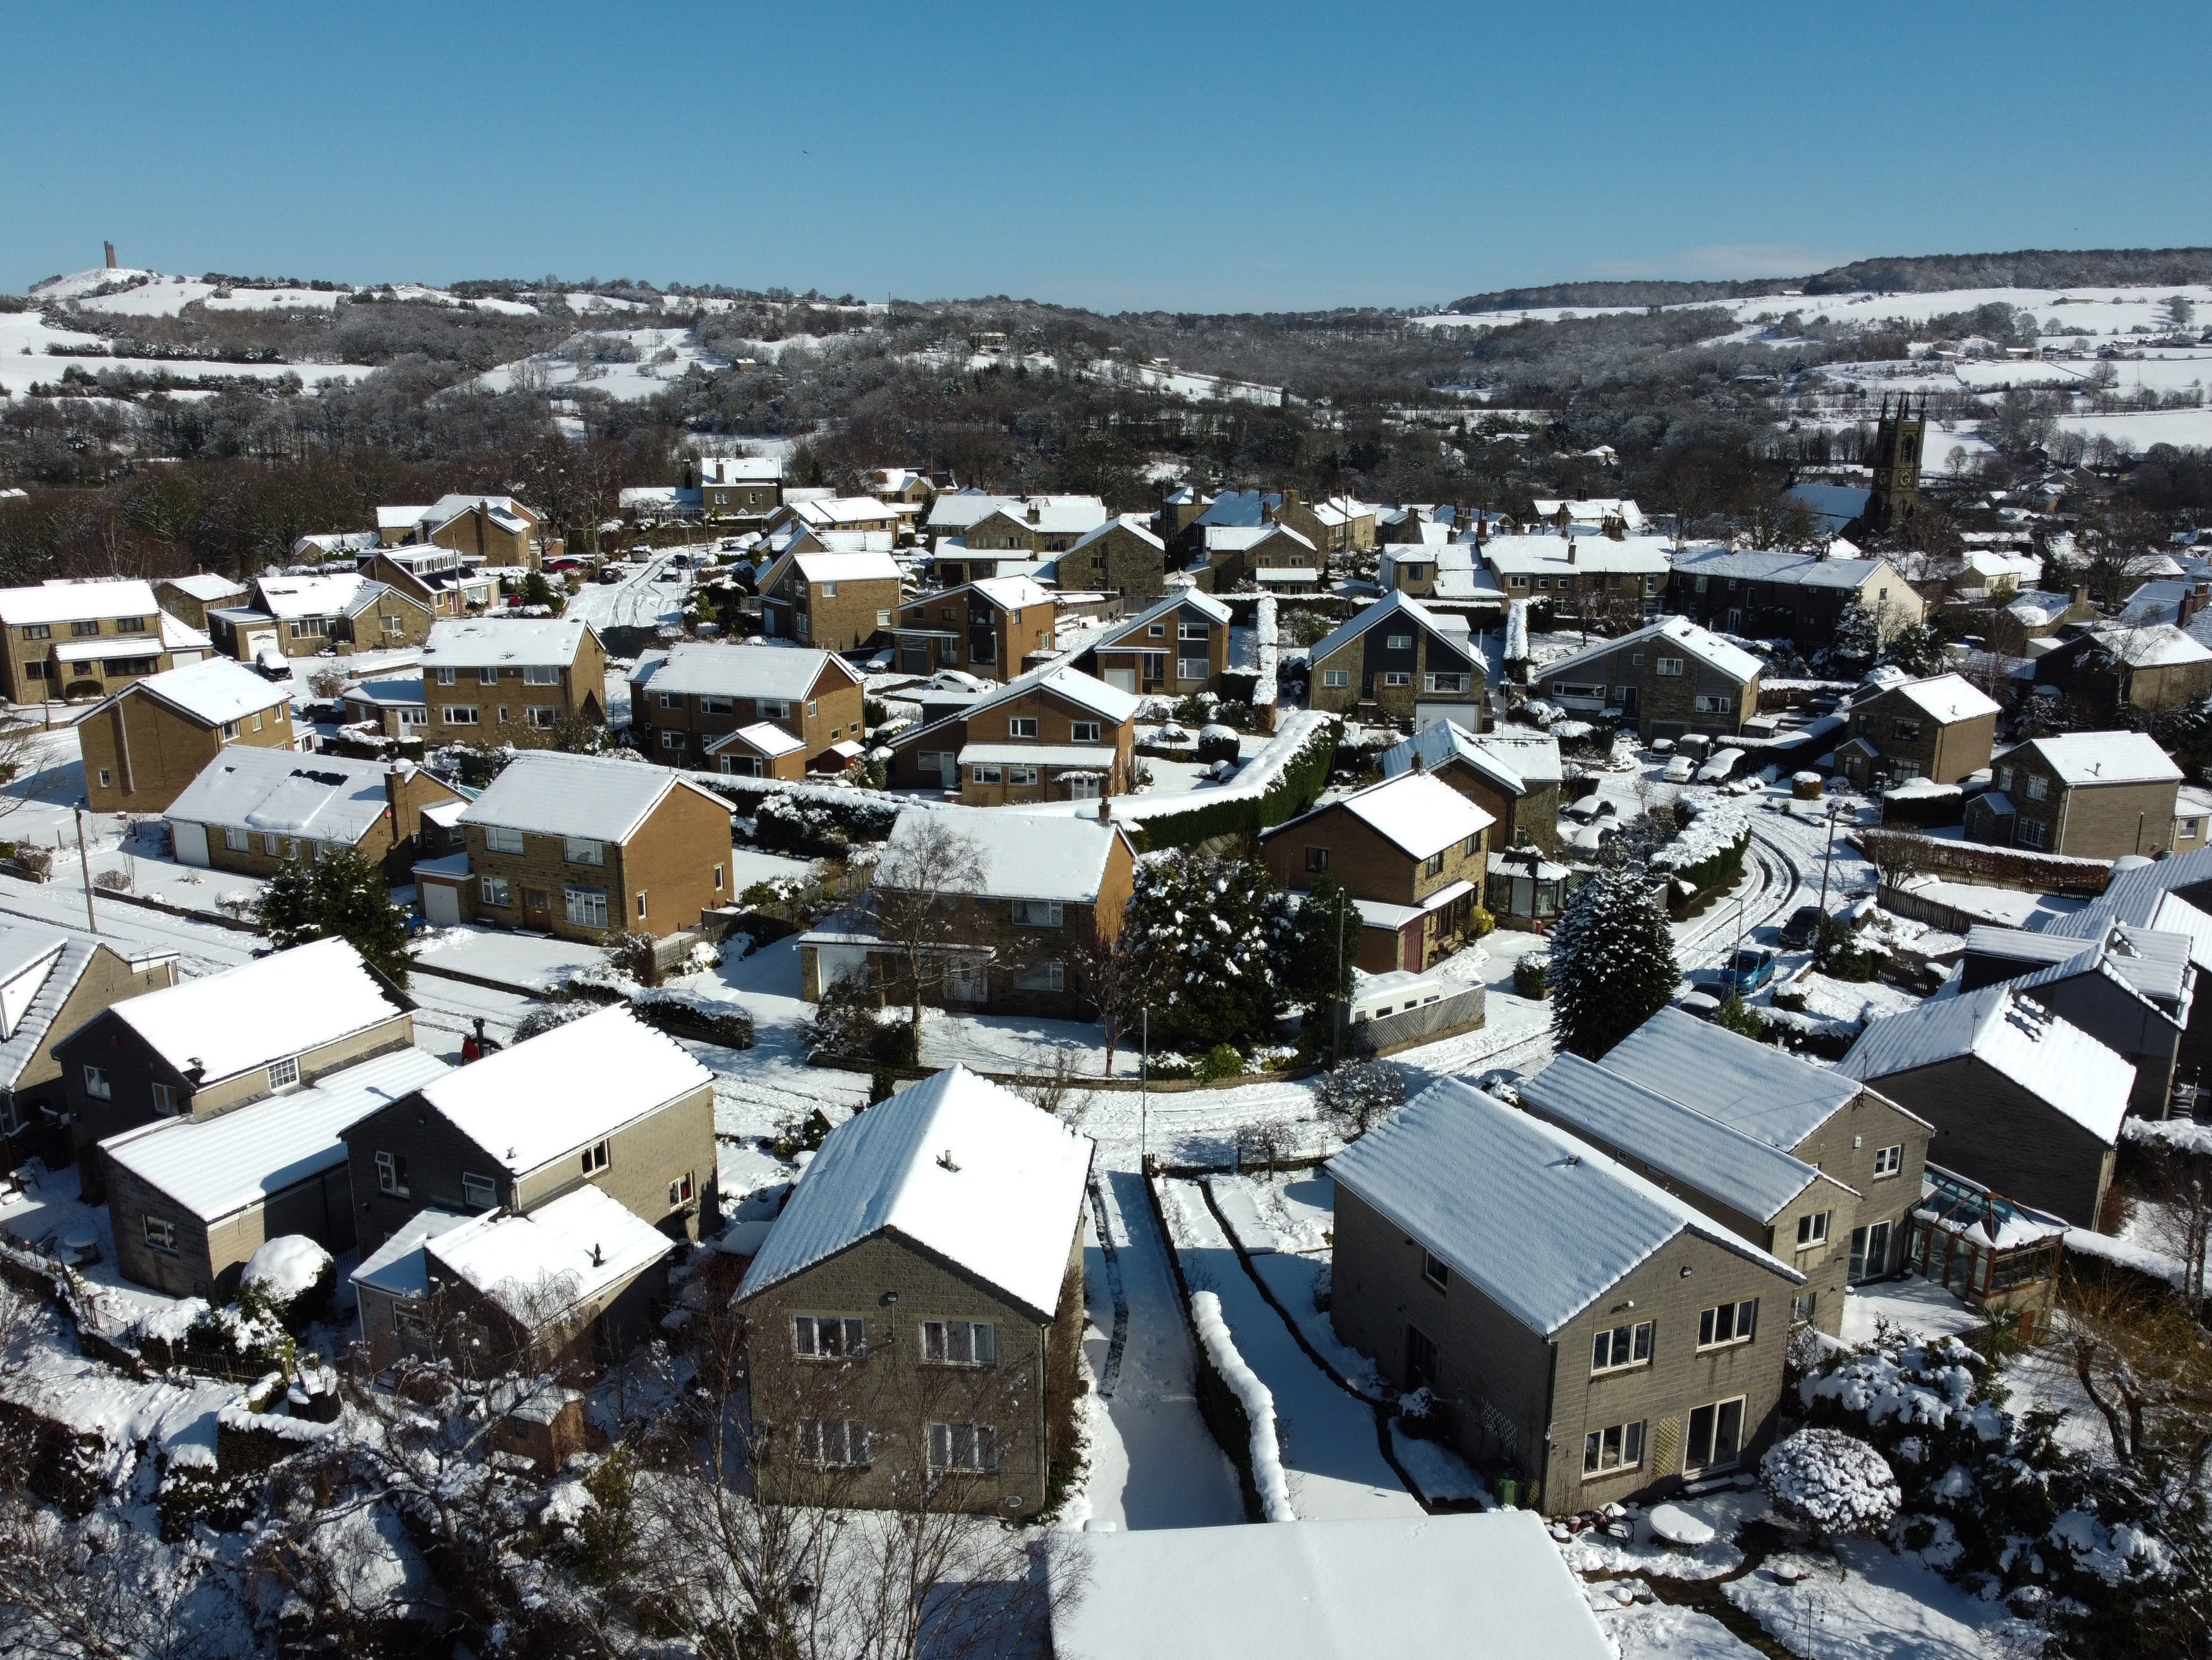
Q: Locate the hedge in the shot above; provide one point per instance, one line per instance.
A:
(805, 819)
(1293, 770)
(1894, 852)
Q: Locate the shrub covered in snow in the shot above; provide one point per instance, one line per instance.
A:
(1831, 1483)
(291, 1277)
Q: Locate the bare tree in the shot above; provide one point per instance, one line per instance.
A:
(2145, 1366)
(922, 899)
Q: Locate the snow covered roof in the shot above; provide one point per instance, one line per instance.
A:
(1525, 556)
(401, 517)
(477, 642)
(399, 691)
(1476, 1587)
(2160, 645)
(1708, 648)
(396, 1265)
(74, 601)
(955, 511)
(1834, 505)
(177, 635)
(739, 469)
(2004, 1029)
(696, 666)
(2142, 898)
(1204, 604)
(1541, 1221)
(1946, 697)
(2103, 757)
(832, 567)
(42, 968)
(289, 597)
(1129, 522)
(326, 797)
(1419, 814)
(1803, 570)
(1592, 510)
(1514, 759)
(275, 1006)
(763, 737)
(114, 646)
(841, 510)
(566, 1088)
(1023, 857)
(1238, 508)
(503, 510)
(215, 1165)
(1390, 605)
(1752, 1085)
(2154, 965)
(581, 795)
(1535, 755)
(1055, 515)
(954, 1164)
(1007, 592)
(2039, 609)
(563, 1255)
(1242, 538)
(205, 586)
(1718, 1159)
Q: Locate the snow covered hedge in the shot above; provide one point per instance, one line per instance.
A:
(1708, 852)
(1253, 1397)
(1831, 1483)
(805, 818)
(1278, 783)
(290, 1276)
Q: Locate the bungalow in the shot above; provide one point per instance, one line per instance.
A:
(2022, 1100)
(144, 745)
(490, 672)
(255, 810)
(1175, 647)
(68, 639)
(910, 1309)
(954, 513)
(833, 600)
(1513, 772)
(1579, 1328)
(344, 613)
(188, 598)
(684, 700)
(1784, 593)
(1401, 660)
(1939, 727)
(1412, 852)
(1053, 734)
(51, 983)
(990, 628)
(1121, 557)
(1671, 678)
(835, 513)
(2085, 794)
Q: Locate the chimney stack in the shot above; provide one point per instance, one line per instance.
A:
(110, 247)
(1571, 550)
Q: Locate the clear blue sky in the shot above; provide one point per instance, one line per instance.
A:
(1195, 155)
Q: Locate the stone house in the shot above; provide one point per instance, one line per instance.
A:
(913, 1314)
(51, 983)
(684, 700)
(1038, 525)
(144, 745)
(1939, 727)
(1337, 525)
(1053, 735)
(492, 530)
(1042, 892)
(1402, 661)
(483, 674)
(1784, 593)
(581, 846)
(343, 613)
(1513, 772)
(1175, 647)
(188, 598)
(2036, 614)
(745, 488)
(1121, 557)
(989, 628)
(1269, 556)
(445, 582)
(391, 704)
(836, 601)
(1859, 1137)
(79, 639)
(271, 1026)
(2022, 1100)
(835, 513)
(604, 1101)
(762, 750)
(1671, 678)
(2145, 898)
(952, 514)
(2085, 794)
(2155, 667)
(193, 1199)
(1587, 575)
(1581, 1328)
(1414, 854)
(1790, 1209)
(255, 810)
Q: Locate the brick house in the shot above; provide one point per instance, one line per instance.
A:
(343, 612)
(254, 811)
(1856, 1135)
(1121, 557)
(1782, 592)
(1401, 660)
(913, 1314)
(193, 1199)
(51, 983)
(833, 601)
(762, 750)
(2155, 667)
(988, 628)
(1272, 557)
(581, 847)
(482, 674)
(1413, 852)
(188, 598)
(1038, 525)
(2085, 794)
(1582, 1328)
(444, 581)
(1513, 772)
(391, 704)
(2036, 614)
(1587, 575)
(1176, 647)
(1939, 727)
(604, 1101)
(72, 639)
(684, 700)
(835, 512)
(150, 739)
(1671, 678)
(1053, 734)
(745, 488)
(1046, 888)
(270, 1026)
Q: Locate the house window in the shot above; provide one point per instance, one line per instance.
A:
(1022, 726)
(488, 675)
(1909, 730)
(461, 714)
(834, 1443)
(1021, 775)
(272, 845)
(2004, 778)
(2039, 787)
(672, 700)
(1888, 1161)
(230, 729)
(39, 631)
(959, 1342)
(1731, 1323)
(1434, 1271)
(1040, 976)
(1621, 1447)
(1801, 1308)
(479, 1191)
(1813, 1230)
(718, 878)
(593, 1159)
(775, 709)
(1422, 1366)
(1709, 704)
(540, 676)
(671, 738)
(2030, 834)
(587, 908)
(813, 707)
(165, 1099)
(1316, 858)
(1400, 642)
(1397, 678)
(640, 908)
(1037, 913)
(161, 1235)
(985, 775)
(883, 619)
(828, 1337)
(1156, 631)
(681, 1189)
(1083, 731)
(1446, 683)
(446, 677)
(1191, 668)
(542, 715)
(1336, 677)
(1715, 1436)
(498, 838)
(1670, 667)
(494, 891)
(104, 778)
(283, 1074)
(237, 840)
(392, 1174)
(716, 705)
(582, 850)
(311, 628)
(84, 629)
(1433, 864)
(965, 1447)
(394, 627)
(1468, 847)
(1622, 1345)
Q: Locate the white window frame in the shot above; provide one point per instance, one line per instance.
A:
(1022, 726)
(165, 1100)
(1888, 1161)
(1621, 1444)
(1336, 680)
(447, 676)
(585, 907)
(835, 1444)
(1668, 668)
(828, 1337)
(285, 1074)
(502, 838)
(584, 850)
(96, 1084)
(595, 1158)
(479, 1191)
(962, 1449)
(1040, 976)
(494, 891)
(237, 840)
(392, 1175)
(1038, 912)
(1635, 1341)
(540, 674)
(973, 1343)
(1742, 1326)
(462, 714)
(1710, 1462)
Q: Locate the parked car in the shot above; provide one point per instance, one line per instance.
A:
(1679, 769)
(1748, 970)
(1722, 764)
(271, 664)
(679, 561)
(612, 574)
(1802, 928)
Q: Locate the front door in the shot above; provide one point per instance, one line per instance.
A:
(537, 909)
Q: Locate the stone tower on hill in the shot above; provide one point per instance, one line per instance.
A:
(1897, 439)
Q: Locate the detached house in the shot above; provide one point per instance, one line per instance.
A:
(1580, 1329)
(73, 639)
(1801, 595)
(989, 629)
(746, 487)
(1337, 525)
(342, 613)
(2157, 666)
(1938, 727)
(255, 810)
(1414, 854)
(700, 705)
(1040, 525)
(833, 600)
(51, 983)
(2086, 794)
(1272, 557)
(145, 743)
(1513, 772)
(909, 1308)
(1402, 659)
(484, 673)
(835, 512)
(1587, 574)
(188, 598)
(1121, 557)
(494, 530)
(581, 846)
(1053, 734)
(1175, 647)
(1672, 678)
(444, 581)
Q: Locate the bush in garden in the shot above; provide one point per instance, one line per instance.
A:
(1218, 743)
(1532, 976)
(541, 1020)
(1357, 1096)
(1220, 1061)
(1831, 1483)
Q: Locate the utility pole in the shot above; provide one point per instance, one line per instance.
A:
(1828, 857)
(84, 864)
(1336, 1020)
(1145, 1097)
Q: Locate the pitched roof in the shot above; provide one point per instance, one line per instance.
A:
(285, 597)
(480, 642)
(2103, 758)
(1526, 554)
(763, 737)
(1703, 644)
(1946, 697)
(275, 1006)
(1124, 521)
(1205, 604)
(206, 585)
(954, 1164)
(1541, 1221)
(1391, 604)
(2152, 965)
(601, 799)
(1023, 857)
(213, 691)
(1238, 508)
(566, 1088)
(31, 1019)
(1515, 760)
(836, 567)
(1007, 592)
(739, 469)
(1801, 570)
(1752, 1085)
(956, 510)
(559, 1257)
(73, 601)
(1416, 813)
(2156, 646)
(2143, 896)
(328, 798)
(718, 670)
(2007, 1031)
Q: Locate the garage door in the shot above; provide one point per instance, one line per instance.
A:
(441, 904)
(191, 844)
(1121, 679)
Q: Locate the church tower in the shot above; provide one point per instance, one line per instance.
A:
(1897, 438)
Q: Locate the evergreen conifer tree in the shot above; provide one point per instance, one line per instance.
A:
(1613, 962)
(1210, 936)
(343, 894)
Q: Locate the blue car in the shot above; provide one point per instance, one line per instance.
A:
(1748, 970)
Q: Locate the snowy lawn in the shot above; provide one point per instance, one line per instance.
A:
(528, 962)
(1644, 1628)
(750, 864)
(44, 1208)
(1851, 1001)
(1913, 1302)
(1867, 1602)
(2009, 908)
